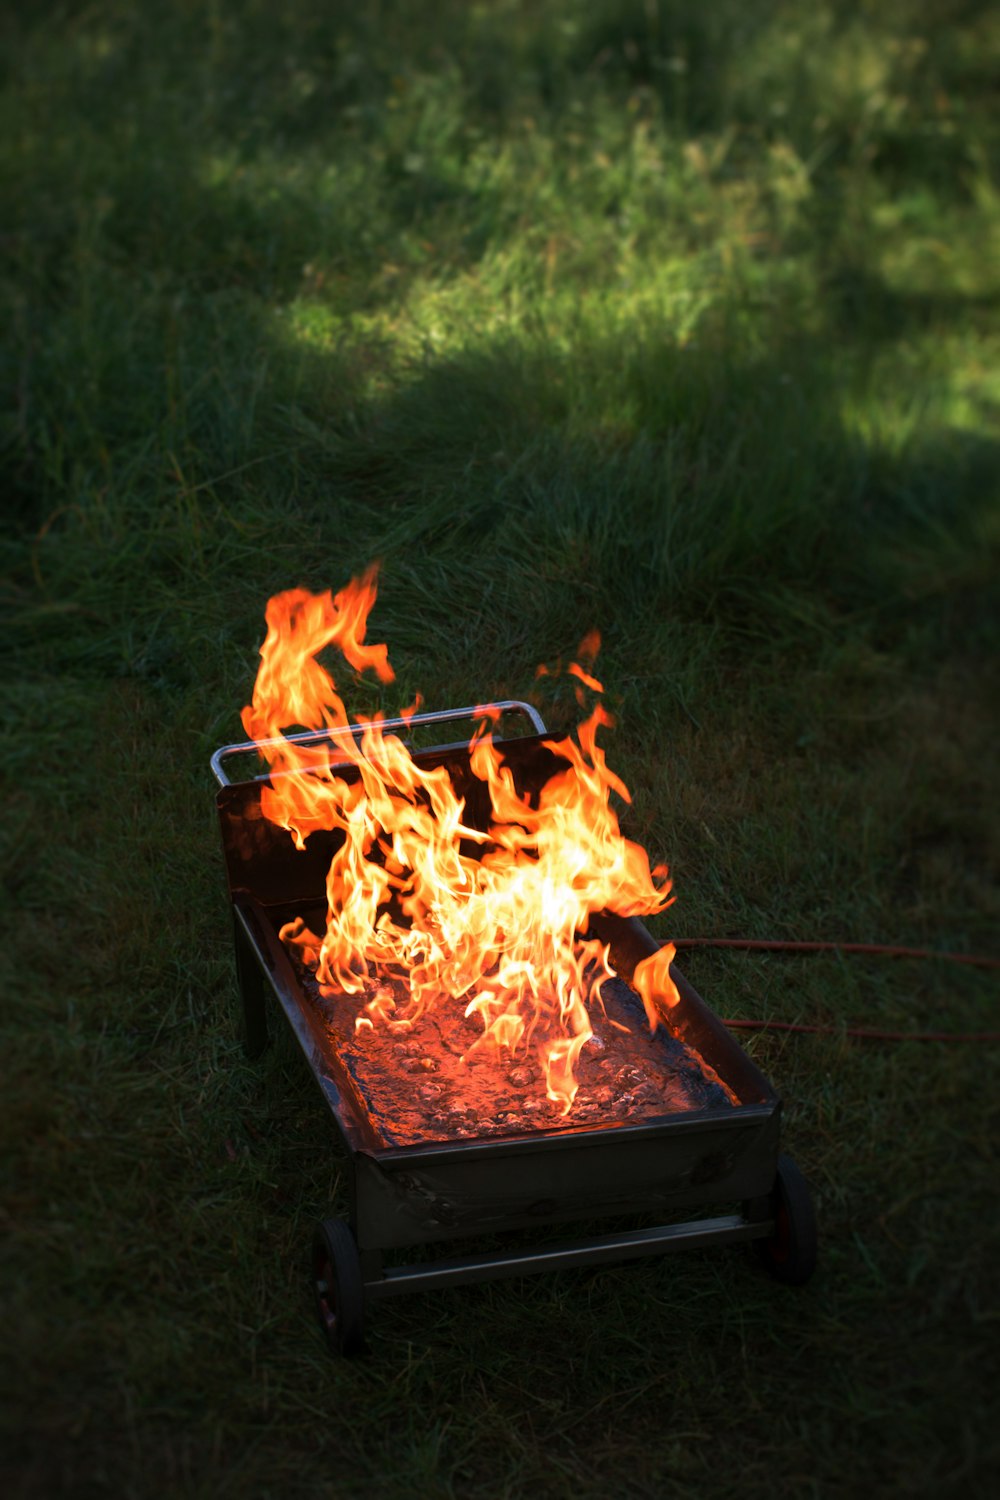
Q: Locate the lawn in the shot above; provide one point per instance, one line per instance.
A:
(677, 320)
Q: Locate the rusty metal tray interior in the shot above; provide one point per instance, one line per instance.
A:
(271, 881)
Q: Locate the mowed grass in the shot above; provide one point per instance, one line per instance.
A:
(676, 320)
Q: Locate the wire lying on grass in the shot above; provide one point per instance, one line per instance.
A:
(882, 950)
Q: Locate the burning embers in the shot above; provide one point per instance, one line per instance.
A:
(432, 915)
(436, 1085)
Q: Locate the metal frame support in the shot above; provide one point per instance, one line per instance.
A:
(250, 978)
(604, 1249)
(387, 726)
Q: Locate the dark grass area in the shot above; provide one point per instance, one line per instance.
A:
(675, 320)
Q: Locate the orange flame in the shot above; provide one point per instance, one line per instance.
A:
(491, 921)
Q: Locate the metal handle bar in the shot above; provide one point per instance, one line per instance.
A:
(317, 736)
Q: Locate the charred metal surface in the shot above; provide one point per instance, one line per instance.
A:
(261, 857)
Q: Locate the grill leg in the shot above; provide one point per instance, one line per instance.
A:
(251, 983)
(371, 1265)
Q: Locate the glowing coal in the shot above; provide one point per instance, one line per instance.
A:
(437, 1086)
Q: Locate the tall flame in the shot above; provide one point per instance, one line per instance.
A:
(491, 921)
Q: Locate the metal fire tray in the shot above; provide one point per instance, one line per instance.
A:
(434, 1191)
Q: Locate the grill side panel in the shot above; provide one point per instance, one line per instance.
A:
(499, 1185)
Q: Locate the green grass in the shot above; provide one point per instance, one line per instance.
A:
(677, 320)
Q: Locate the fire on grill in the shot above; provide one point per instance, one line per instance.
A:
(453, 935)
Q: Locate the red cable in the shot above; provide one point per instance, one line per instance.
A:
(867, 1033)
(765, 945)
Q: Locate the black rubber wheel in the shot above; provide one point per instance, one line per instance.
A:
(790, 1254)
(339, 1288)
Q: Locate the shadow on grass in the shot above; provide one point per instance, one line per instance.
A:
(858, 298)
(635, 479)
(629, 481)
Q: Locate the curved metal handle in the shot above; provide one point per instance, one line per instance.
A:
(318, 736)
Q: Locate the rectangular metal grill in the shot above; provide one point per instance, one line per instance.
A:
(676, 1166)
